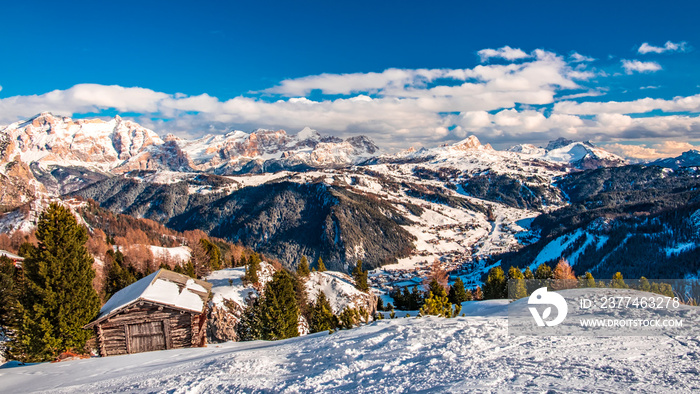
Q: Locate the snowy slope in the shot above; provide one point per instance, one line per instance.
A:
(464, 354)
(339, 289)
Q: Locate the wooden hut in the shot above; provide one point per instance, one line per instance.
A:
(164, 310)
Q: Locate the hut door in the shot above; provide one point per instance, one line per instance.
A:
(146, 337)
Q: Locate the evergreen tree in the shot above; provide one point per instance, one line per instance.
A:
(321, 267)
(543, 272)
(250, 326)
(415, 299)
(303, 268)
(516, 284)
(360, 277)
(301, 297)
(437, 304)
(118, 276)
(322, 317)
(10, 283)
(189, 269)
(530, 283)
(436, 287)
(618, 282)
(380, 304)
(59, 298)
(543, 276)
(458, 294)
(213, 252)
(251, 269)
(495, 286)
(279, 311)
(644, 284)
(587, 280)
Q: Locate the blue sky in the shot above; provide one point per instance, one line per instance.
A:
(405, 73)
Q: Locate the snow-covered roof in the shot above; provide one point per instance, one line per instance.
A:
(11, 256)
(162, 287)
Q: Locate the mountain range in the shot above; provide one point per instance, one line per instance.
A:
(307, 194)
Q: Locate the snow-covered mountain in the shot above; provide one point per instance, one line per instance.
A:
(581, 155)
(690, 158)
(119, 146)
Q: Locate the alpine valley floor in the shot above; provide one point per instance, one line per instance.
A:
(464, 354)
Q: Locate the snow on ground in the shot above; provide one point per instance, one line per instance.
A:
(178, 253)
(228, 284)
(464, 354)
(338, 288)
(680, 248)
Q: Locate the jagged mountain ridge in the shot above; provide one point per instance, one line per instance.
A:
(455, 202)
(120, 146)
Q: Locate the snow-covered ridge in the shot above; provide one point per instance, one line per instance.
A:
(118, 145)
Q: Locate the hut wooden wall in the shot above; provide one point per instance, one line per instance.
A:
(181, 329)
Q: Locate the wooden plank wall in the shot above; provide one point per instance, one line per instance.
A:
(180, 331)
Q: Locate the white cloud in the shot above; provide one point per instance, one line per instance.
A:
(656, 151)
(668, 47)
(678, 104)
(590, 93)
(397, 107)
(356, 82)
(632, 66)
(505, 52)
(579, 58)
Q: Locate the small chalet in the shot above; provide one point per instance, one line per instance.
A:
(164, 310)
(17, 260)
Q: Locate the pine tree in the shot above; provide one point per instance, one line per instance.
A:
(543, 276)
(530, 283)
(251, 269)
(59, 298)
(303, 268)
(322, 317)
(516, 284)
(458, 294)
(250, 326)
(644, 284)
(543, 272)
(415, 299)
(587, 280)
(618, 282)
(213, 253)
(321, 267)
(437, 303)
(10, 284)
(279, 311)
(495, 286)
(118, 276)
(360, 277)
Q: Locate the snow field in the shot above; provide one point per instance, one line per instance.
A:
(464, 354)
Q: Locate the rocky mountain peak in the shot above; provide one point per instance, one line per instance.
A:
(471, 142)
